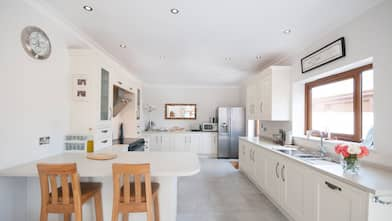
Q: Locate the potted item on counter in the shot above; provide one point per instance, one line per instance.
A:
(351, 154)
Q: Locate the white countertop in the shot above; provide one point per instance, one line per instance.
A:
(371, 179)
(162, 163)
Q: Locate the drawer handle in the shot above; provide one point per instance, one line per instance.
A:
(276, 170)
(104, 141)
(332, 186)
(104, 131)
(376, 199)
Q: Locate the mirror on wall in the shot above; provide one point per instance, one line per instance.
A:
(180, 111)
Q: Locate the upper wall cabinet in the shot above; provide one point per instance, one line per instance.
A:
(268, 95)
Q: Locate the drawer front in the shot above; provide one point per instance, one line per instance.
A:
(104, 133)
(102, 143)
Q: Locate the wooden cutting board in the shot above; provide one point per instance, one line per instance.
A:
(101, 156)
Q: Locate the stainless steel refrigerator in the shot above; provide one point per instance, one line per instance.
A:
(231, 125)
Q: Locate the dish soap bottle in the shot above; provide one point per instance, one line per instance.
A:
(90, 141)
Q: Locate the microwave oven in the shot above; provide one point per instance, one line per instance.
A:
(209, 127)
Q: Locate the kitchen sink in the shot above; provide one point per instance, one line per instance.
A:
(310, 157)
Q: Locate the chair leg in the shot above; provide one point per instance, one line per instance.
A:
(98, 206)
(125, 217)
(67, 216)
(115, 211)
(156, 208)
(44, 214)
(78, 214)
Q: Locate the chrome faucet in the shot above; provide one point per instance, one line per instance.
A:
(323, 149)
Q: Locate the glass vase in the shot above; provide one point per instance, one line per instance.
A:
(351, 165)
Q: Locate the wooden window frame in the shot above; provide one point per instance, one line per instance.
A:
(354, 74)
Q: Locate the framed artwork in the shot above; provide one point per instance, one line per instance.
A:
(327, 54)
(180, 111)
(80, 87)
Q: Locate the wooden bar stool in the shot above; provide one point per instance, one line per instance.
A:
(136, 196)
(69, 197)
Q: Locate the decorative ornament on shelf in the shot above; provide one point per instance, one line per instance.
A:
(350, 156)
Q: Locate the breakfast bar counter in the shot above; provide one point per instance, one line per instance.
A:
(165, 168)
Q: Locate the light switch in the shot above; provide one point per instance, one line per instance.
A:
(44, 140)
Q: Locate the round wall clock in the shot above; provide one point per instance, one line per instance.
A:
(35, 42)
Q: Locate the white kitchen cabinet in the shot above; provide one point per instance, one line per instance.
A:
(338, 201)
(187, 142)
(247, 159)
(260, 166)
(268, 94)
(199, 143)
(208, 144)
(274, 182)
(160, 142)
(294, 177)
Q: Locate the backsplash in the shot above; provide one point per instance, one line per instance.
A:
(268, 128)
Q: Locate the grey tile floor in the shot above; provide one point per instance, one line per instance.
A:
(221, 193)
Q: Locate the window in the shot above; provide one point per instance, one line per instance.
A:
(341, 104)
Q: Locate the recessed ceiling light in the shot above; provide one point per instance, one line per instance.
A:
(123, 46)
(88, 8)
(286, 31)
(174, 11)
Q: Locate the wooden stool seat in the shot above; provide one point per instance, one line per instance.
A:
(154, 190)
(67, 197)
(87, 190)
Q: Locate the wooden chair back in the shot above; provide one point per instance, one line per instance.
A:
(132, 199)
(49, 175)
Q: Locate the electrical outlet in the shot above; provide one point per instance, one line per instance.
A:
(44, 140)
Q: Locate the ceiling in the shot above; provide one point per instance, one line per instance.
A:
(207, 42)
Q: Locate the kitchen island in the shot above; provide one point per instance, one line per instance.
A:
(165, 168)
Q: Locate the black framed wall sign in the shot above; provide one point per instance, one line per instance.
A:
(327, 54)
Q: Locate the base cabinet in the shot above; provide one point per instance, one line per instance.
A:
(199, 143)
(337, 201)
(302, 193)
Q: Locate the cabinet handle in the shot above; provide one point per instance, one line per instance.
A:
(376, 199)
(104, 141)
(253, 155)
(332, 186)
(261, 107)
(276, 170)
(104, 131)
(282, 173)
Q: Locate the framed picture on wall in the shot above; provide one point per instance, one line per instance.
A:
(327, 54)
(80, 88)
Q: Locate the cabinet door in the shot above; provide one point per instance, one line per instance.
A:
(181, 143)
(273, 182)
(104, 98)
(266, 98)
(337, 201)
(155, 142)
(166, 142)
(194, 143)
(260, 165)
(243, 156)
(293, 176)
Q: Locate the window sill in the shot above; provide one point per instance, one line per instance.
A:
(330, 142)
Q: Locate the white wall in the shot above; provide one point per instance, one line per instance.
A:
(207, 100)
(368, 38)
(34, 100)
(34, 93)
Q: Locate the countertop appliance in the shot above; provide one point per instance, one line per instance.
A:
(209, 127)
(231, 125)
